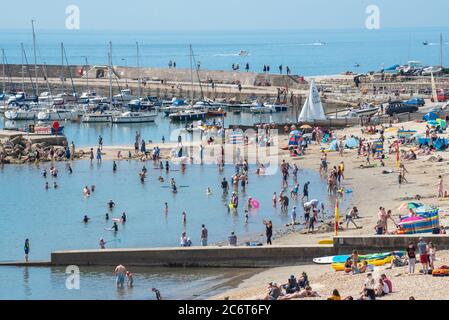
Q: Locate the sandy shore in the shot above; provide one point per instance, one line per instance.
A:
(372, 189)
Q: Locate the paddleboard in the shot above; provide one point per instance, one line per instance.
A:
(324, 260)
(326, 241)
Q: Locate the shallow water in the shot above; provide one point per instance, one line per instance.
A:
(86, 134)
(98, 283)
(52, 219)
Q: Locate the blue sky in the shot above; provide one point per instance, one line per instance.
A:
(182, 15)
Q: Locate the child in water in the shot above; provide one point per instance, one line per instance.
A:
(130, 279)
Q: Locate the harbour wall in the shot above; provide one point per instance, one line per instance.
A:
(157, 74)
(239, 257)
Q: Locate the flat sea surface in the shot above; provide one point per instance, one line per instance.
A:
(306, 52)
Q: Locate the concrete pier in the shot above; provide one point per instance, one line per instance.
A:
(233, 257)
(240, 257)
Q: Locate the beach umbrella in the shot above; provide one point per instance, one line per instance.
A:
(305, 126)
(410, 205)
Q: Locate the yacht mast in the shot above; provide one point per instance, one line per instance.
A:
(35, 58)
(87, 74)
(23, 70)
(3, 70)
(110, 72)
(62, 68)
(191, 72)
(138, 71)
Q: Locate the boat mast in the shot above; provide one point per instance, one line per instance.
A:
(35, 57)
(87, 74)
(62, 68)
(110, 72)
(70, 72)
(23, 70)
(191, 72)
(138, 71)
(3, 70)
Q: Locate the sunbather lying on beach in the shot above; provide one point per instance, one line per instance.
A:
(307, 293)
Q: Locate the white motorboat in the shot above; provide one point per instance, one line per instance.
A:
(21, 114)
(261, 108)
(188, 114)
(124, 96)
(277, 107)
(53, 114)
(98, 117)
(134, 117)
(364, 111)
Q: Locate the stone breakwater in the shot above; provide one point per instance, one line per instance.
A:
(20, 149)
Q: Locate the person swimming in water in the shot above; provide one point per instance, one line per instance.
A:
(46, 186)
(86, 219)
(184, 217)
(166, 208)
(209, 191)
(161, 179)
(55, 185)
(106, 216)
(167, 166)
(114, 166)
(92, 188)
(123, 217)
(44, 173)
(111, 204)
(115, 227)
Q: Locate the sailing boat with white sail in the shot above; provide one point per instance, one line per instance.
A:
(313, 108)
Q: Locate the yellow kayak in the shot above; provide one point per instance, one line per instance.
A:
(326, 241)
(375, 262)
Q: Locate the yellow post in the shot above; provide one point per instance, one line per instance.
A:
(336, 218)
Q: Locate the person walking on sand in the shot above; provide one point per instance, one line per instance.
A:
(26, 248)
(204, 235)
(120, 273)
(440, 186)
(423, 255)
(411, 254)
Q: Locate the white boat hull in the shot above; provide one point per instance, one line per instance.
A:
(95, 118)
(53, 115)
(20, 115)
(134, 119)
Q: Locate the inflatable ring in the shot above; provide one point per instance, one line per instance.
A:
(255, 204)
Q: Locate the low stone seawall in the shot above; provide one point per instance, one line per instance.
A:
(239, 257)
(233, 257)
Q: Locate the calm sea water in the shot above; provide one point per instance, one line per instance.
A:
(86, 134)
(300, 50)
(52, 219)
(98, 283)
